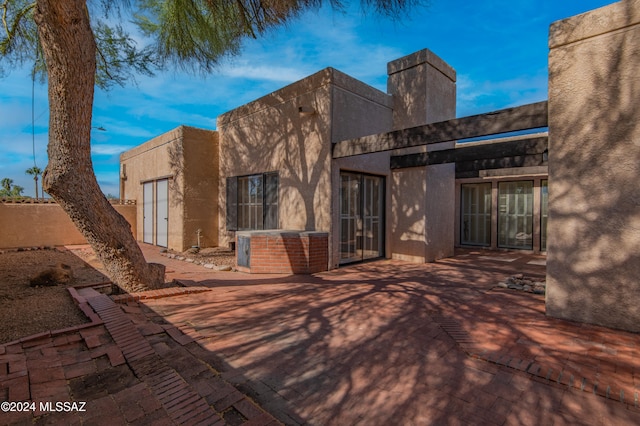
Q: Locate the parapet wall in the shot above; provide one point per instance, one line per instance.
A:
(44, 224)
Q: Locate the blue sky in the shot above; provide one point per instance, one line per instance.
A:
(498, 48)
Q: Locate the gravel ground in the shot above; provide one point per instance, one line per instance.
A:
(218, 256)
(27, 310)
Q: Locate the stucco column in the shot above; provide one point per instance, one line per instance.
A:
(593, 258)
(423, 87)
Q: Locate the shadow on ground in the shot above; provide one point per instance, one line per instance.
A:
(375, 344)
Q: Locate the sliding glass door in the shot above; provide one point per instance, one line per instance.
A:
(515, 215)
(475, 208)
(361, 217)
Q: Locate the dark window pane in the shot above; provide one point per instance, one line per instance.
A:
(271, 201)
(232, 203)
(257, 202)
(475, 205)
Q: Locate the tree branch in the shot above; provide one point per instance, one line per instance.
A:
(11, 32)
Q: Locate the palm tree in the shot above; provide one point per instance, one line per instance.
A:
(16, 191)
(35, 171)
(8, 189)
(6, 184)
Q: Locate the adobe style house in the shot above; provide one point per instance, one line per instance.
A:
(273, 165)
(328, 171)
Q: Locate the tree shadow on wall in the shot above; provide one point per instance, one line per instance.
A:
(176, 164)
(276, 137)
(594, 198)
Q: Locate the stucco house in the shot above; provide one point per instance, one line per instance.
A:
(329, 171)
(272, 166)
(174, 179)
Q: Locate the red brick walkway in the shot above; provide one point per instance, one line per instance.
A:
(396, 343)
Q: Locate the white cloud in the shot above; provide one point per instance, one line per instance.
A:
(478, 96)
(108, 149)
(114, 127)
(262, 72)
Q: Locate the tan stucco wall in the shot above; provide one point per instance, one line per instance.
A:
(408, 215)
(270, 134)
(423, 89)
(423, 212)
(440, 208)
(36, 225)
(593, 258)
(358, 109)
(147, 163)
(423, 198)
(192, 190)
(200, 196)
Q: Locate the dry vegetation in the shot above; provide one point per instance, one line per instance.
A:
(218, 256)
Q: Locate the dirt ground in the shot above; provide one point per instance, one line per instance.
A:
(26, 310)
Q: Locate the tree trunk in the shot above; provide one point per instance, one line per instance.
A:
(70, 54)
(35, 179)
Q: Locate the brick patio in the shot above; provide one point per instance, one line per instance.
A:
(379, 343)
(397, 343)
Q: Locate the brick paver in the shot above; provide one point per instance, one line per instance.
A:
(396, 343)
(379, 343)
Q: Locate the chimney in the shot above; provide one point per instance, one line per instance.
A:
(423, 87)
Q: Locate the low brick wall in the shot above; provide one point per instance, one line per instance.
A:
(283, 252)
(44, 224)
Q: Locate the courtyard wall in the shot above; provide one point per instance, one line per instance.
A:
(45, 224)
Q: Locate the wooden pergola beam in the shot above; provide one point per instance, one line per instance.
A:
(524, 117)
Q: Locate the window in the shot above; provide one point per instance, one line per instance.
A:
(252, 202)
(515, 215)
(475, 205)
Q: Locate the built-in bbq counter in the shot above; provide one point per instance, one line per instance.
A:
(279, 251)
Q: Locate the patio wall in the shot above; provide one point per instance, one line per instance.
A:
(593, 260)
(44, 224)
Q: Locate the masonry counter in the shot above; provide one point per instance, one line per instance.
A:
(282, 251)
